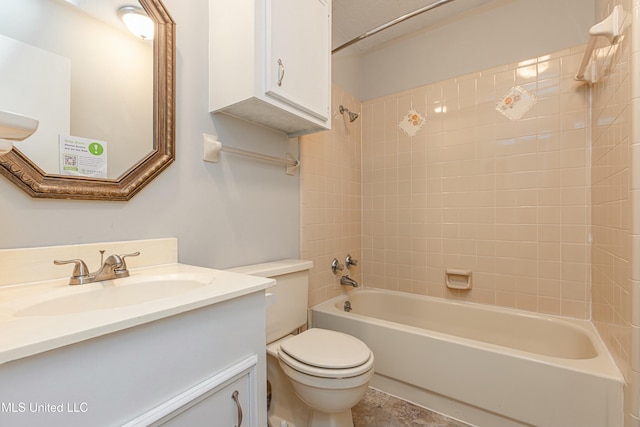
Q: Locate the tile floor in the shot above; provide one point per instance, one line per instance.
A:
(379, 409)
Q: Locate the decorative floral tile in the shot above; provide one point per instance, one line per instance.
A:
(516, 102)
(412, 122)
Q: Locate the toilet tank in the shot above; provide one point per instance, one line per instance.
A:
(287, 300)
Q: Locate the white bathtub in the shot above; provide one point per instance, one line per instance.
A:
(482, 365)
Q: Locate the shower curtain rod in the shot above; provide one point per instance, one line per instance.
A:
(391, 24)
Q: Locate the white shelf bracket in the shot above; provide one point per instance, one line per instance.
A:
(210, 148)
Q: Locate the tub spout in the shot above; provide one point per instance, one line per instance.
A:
(346, 280)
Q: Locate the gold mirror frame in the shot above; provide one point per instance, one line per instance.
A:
(35, 182)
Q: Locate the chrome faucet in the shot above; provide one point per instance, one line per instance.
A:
(349, 261)
(346, 280)
(336, 266)
(114, 267)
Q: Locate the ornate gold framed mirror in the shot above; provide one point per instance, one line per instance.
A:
(38, 182)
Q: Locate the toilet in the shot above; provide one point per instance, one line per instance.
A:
(314, 377)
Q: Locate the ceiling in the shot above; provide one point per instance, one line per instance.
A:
(351, 18)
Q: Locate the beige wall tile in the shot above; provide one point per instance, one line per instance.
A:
(486, 187)
(331, 191)
(612, 203)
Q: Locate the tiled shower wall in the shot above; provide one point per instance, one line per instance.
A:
(543, 210)
(615, 183)
(473, 190)
(331, 199)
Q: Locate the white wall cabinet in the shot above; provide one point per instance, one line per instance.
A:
(270, 62)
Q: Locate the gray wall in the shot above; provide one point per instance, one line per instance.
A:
(231, 213)
(346, 71)
(503, 32)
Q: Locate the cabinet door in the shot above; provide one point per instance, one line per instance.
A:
(227, 407)
(298, 54)
(228, 399)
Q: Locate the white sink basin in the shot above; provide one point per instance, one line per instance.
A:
(117, 293)
(40, 316)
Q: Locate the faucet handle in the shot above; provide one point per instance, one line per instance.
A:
(335, 266)
(122, 257)
(350, 261)
(80, 273)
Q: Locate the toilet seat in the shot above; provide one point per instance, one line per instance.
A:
(327, 354)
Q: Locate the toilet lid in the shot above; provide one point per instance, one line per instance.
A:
(327, 349)
(303, 368)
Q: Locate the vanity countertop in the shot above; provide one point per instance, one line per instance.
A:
(25, 332)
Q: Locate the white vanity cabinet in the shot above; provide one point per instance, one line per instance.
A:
(270, 62)
(225, 407)
(225, 399)
(181, 370)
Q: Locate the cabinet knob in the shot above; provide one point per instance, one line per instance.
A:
(280, 72)
(236, 399)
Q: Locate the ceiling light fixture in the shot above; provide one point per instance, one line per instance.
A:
(137, 21)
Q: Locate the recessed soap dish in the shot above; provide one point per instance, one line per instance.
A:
(458, 279)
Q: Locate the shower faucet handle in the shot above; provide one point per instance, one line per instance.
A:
(349, 261)
(335, 266)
